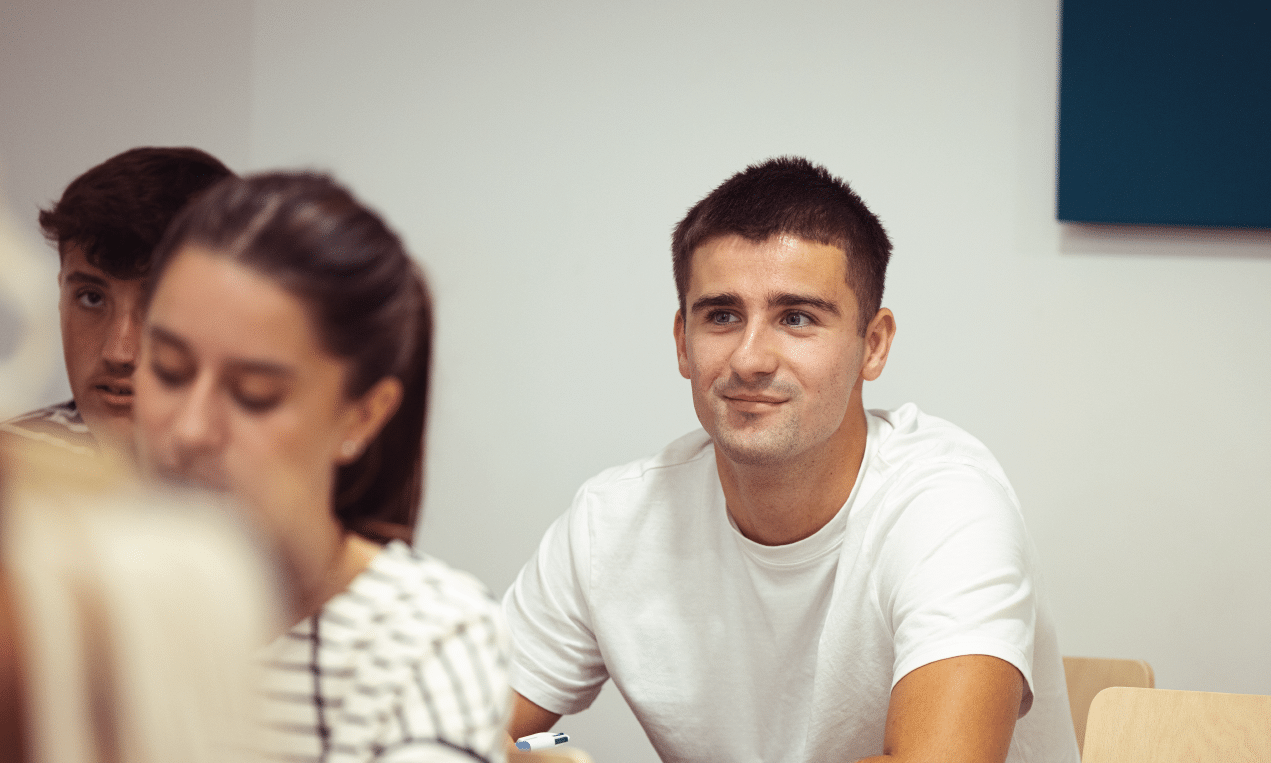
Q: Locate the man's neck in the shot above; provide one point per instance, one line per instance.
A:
(783, 503)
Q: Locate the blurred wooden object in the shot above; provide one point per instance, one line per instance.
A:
(1128, 725)
(136, 614)
(1087, 676)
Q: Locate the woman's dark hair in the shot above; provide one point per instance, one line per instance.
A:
(369, 304)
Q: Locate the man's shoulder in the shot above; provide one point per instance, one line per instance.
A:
(59, 425)
(931, 475)
(65, 414)
(910, 438)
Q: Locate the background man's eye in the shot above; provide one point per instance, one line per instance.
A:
(90, 299)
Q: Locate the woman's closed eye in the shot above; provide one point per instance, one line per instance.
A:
(258, 394)
(168, 376)
(171, 366)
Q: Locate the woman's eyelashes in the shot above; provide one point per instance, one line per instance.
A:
(257, 395)
(171, 372)
(252, 395)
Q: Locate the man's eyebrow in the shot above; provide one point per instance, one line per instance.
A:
(803, 300)
(79, 276)
(783, 299)
(714, 300)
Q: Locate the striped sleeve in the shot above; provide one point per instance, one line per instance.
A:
(59, 425)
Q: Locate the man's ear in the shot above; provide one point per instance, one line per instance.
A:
(878, 336)
(680, 346)
(367, 416)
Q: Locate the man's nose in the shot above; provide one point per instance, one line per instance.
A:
(123, 340)
(757, 353)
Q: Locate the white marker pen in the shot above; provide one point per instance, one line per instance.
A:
(541, 741)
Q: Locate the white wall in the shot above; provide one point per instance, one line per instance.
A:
(536, 156)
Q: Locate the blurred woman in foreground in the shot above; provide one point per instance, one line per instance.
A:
(285, 361)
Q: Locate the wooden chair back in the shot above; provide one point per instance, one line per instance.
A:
(1087, 676)
(1129, 725)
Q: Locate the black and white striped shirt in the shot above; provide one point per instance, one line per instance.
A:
(409, 663)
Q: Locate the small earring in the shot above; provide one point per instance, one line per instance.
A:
(349, 448)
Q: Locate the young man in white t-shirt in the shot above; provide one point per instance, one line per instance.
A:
(803, 580)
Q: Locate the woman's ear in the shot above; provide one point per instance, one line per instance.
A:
(366, 416)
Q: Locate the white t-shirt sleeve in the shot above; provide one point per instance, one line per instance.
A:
(955, 573)
(556, 662)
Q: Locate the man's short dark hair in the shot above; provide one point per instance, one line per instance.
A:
(117, 211)
(790, 196)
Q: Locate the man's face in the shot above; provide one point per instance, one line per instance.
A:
(769, 341)
(101, 326)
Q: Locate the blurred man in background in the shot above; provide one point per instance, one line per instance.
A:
(105, 226)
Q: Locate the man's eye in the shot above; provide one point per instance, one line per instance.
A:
(797, 320)
(91, 299)
(721, 317)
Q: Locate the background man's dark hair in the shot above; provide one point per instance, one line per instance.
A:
(117, 211)
(790, 195)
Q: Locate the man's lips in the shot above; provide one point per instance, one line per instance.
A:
(115, 393)
(753, 403)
